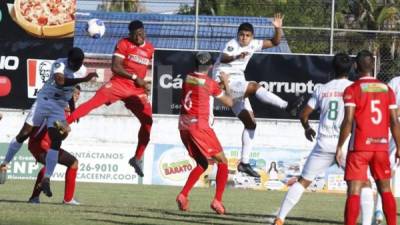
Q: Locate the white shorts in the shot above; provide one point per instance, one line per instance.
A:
(241, 104)
(29, 117)
(392, 153)
(320, 159)
(48, 110)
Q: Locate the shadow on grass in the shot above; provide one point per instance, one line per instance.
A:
(118, 222)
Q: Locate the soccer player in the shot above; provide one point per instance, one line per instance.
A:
(370, 109)
(49, 106)
(129, 65)
(233, 61)
(328, 98)
(395, 85)
(196, 134)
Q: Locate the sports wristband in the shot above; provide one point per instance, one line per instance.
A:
(134, 76)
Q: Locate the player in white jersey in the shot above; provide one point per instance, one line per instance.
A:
(233, 61)
(49, 106)
(395, 85)
(328, 98)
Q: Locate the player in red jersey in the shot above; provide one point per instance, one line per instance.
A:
(129, 66)
(39, 143)
(195, 131)
(370, 109)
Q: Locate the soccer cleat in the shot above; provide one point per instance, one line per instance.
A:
(246, 168)
(378, 217)
(218, 207)
(72, 202)
(34, 200)
(278, 221)
(136, 165)
(183, 202)
(293, 107)
(45, 186)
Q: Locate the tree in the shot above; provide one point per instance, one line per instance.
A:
(121, 6)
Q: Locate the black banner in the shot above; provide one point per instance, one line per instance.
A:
(21, 41)
(288, 76)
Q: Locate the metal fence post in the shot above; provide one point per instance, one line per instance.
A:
(196, 28)
(332, 26)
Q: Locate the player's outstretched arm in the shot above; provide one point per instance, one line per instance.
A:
(395, 129)
(278, 21)
(345, 130)
(63, 81)
(304, 116)
(118, 68)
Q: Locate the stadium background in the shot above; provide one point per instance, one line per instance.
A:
(106, 138)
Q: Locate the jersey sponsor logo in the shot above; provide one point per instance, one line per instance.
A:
(230, 48)
(290, 87)
(374, 87)
(9, 62)
(195, 81)
(332, 94)
(139, 59)
(38, 72)
(348, 97)
(376, 140)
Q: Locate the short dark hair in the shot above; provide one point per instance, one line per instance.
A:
(246, 27)
(203, 59)
(365, 61)
(76, 54)
(342, 64)
(134, 25)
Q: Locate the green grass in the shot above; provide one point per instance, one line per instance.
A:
(141, 204)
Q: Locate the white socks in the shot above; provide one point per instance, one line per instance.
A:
(268, 97)
(292, 197)
(378, 206)
(367, 205)
(51, 162)
(247, 144)
(13, 148)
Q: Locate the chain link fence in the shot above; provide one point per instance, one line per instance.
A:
(310, 26)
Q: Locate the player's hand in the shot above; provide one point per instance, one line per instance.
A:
(242, 55)
(339, 157)
(278, 20)
(90, 76)
(223, 77)
(140, 82)
(310, 134)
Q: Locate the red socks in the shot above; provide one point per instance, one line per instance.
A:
(222, 177)
(36, 191)
(144, 138)
(352, 210)
(389, 208)
(192, 179)
(70, 178)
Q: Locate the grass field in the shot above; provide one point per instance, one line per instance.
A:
(140, 204)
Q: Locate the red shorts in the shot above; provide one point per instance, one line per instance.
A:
(357, 164)
(201, 141)
(119, 89)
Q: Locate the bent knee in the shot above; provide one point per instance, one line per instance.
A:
(75, 164)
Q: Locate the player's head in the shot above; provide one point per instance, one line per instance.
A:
(136, 32)
(203, 61)
(365, 62)
(245, 34)
(342, 64)
(75, 58)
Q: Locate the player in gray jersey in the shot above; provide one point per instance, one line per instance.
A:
(49, 108)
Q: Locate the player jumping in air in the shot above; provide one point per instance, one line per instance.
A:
(131, 58)
(370, 109)
(233, 61)
(197, 135)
